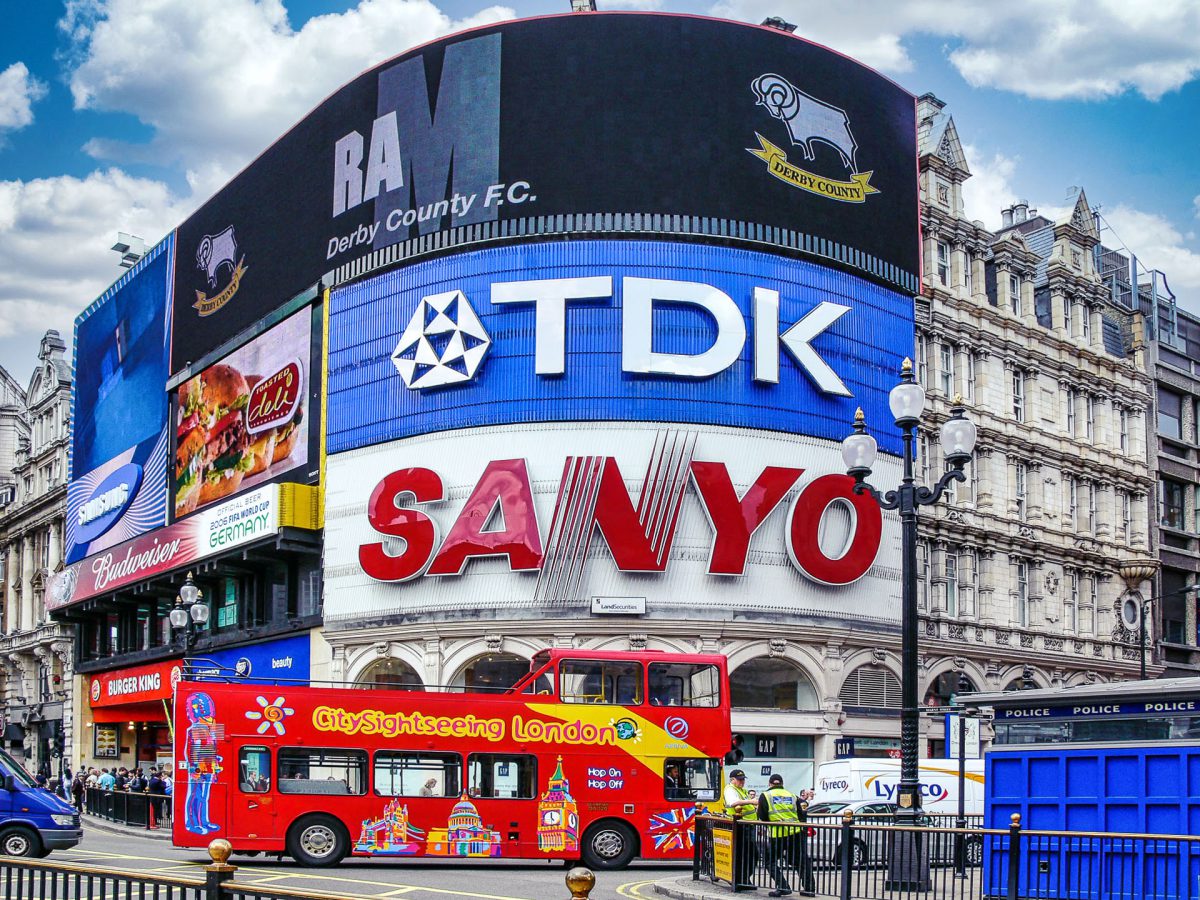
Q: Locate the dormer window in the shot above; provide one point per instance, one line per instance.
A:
(1014, 294)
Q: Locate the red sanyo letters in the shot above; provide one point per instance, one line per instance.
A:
(499, 519)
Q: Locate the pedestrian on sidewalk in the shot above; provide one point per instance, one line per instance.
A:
(77, 790)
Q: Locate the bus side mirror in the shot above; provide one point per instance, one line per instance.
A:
(10, 783)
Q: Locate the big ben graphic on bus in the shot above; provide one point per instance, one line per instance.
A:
(558, 817)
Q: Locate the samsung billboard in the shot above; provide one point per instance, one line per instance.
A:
(616, 122)
(119, 438)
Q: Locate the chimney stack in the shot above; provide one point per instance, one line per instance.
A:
(1020, 211)
(1006, 216)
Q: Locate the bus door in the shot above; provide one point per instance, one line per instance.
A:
(252, 809)
(503, 788)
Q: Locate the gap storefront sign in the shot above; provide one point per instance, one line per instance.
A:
(651, 419)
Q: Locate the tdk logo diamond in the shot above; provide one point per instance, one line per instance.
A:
(443, 343)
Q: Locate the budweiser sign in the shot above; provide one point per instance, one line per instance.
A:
(238, 521)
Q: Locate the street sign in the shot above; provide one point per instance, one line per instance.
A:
(973, 747)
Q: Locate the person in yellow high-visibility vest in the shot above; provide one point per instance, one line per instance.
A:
(787, 842)
(738, 804)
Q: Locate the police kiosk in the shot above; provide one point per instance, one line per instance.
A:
(1121, 757)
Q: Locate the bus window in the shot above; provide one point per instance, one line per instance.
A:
(254, 770)
(595, 681)
(322, 770)
(685, 684)
(511, 776)
(691, 779)
(412, 774)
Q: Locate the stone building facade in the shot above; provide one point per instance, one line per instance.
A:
(1026, 567)
(35, 653)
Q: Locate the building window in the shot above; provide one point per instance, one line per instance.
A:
(1170, 414)
(1071, 397)
(1170, 500)
(921, 350)
(772, 683)
(1072, 489)
(871, 687)
(923, 455)
(1093, 492)
(1089, 407)
(1018, 394)
(923, 575)
(968, 273)
(951, 583)
(1022, 593)
(1070, 600)
(1020, 476)
(1069, 315)
(969, 375)
(946, 369)
(1085, 314)
(943, 262)
(1127, 517)
(1014, 294)
(1122, 429)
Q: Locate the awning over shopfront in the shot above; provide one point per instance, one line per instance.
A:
(132, 712)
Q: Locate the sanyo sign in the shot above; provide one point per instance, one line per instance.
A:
(446, 342)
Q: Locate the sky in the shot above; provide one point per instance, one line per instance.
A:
(126, 115)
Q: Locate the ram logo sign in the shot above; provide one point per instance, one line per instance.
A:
(214, 253)
(809, 121)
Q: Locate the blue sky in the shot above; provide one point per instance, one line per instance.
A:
(126, 114)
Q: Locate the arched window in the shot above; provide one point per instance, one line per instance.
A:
(946, 686)
(492, 672)
(769, 683)
(873, 687)
(1023, 682)
(393, 674)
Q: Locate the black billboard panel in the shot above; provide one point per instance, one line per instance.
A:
(676, 123)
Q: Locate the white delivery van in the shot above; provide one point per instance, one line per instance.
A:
(876, 780)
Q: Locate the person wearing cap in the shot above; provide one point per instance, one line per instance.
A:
(787, 844)
(738, 802)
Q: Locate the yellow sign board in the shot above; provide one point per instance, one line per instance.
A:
(722, 844)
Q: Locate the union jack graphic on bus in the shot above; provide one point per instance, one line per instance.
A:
(673, 829)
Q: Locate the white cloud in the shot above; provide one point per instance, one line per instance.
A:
(219, 81)
(1071, 48)
(18, 92)
(990, 190)
(54, 240)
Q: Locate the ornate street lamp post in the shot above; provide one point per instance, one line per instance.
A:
(859, 451)
(190, 612)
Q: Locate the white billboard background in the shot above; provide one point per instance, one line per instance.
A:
(771, 583)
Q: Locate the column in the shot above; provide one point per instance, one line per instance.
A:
(986, 587)
(958, 264)
(1028, 308)
(1037, 598)
(978, 279)
(1035, 489)
(937, 576)
(27, 611)
(1104, 423)
(1105, 525)
(55, 547)
(1093, 313)
(1141, 513)
(12, 572)
(961, 371)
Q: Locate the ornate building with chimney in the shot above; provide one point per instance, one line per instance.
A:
(35, 653)
(1025, 568)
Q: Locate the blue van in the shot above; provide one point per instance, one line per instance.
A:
(33, 821)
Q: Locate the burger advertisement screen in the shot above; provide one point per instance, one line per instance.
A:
(245, 420)
(119, 436)
(540, 424)
(745, 134)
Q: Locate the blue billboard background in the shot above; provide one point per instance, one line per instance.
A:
(370, 404)
(119, 401)
(287, 660)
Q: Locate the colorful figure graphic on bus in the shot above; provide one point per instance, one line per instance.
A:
(558, 816)
(465, 834)
(203, 764)
(392, 834)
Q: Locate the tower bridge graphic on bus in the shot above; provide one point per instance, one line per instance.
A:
(602, 756)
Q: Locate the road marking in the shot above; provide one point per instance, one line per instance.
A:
(634, 889)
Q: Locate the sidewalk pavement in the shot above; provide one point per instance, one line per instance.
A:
(685, 889)
(98, 824)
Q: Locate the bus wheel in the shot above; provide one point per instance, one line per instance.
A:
(609, 845)
(19, 842)
(317, 841)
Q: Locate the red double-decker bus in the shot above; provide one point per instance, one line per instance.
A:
(603, 756)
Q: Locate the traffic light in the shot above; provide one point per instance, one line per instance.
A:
(735, 754)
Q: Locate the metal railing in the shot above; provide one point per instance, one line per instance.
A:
(147, 811)
(24, 879)
(857, 860)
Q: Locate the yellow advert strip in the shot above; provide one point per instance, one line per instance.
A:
(206, 305)
(856, 190)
